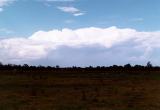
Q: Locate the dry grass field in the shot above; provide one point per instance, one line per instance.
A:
(79, 91)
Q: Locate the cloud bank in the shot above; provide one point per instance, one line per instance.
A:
(84, 46)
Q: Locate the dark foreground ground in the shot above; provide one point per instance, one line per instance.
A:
(79, 91)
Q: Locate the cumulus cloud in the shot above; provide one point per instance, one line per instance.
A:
(86, 36)
(72, 10)
(5, 3)
(21, 48)
(113, 43)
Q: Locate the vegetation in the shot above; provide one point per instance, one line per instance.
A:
(113, 68)
(91, 88)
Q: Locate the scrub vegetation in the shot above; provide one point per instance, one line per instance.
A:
(92, 88)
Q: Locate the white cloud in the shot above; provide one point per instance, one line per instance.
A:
(59, 0)
(5, 3)
(78, 14)
(85, 36)
(69, 9)
(69, 21)
(1, 9)
(137, 19)
(129, 42)
(72, 10)
(22, 49)
(6, 31)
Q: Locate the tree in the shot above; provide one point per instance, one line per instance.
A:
(57, 66)
(127, 66)
(149, 65)
(25, 65)
(1, 64)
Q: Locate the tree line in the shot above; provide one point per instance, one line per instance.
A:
(24, 67)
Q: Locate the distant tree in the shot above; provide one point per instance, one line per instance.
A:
(127, 66)
(1, 64)
(25, 65)
(57, 66)
(49, 67)
(137, 66)
(115, 66)
(98, 67)
(90, 67)
(149, 65)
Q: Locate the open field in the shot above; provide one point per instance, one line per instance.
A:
(79, 91)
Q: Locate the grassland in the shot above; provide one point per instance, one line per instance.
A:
(43, 90)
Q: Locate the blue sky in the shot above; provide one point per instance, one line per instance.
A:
(27, 16)
(37, 21)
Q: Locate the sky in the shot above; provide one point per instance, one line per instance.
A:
(80, 32)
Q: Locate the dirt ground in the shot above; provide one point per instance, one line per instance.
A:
(31, 91)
